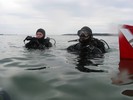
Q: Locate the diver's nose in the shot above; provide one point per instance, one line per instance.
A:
(82, 35)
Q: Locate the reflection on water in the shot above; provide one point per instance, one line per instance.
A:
(128, 92)
(40, 68)
(83, 60)
(125, 76)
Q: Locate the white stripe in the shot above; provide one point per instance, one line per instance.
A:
(128, 35)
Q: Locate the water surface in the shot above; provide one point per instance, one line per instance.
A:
(52, 74)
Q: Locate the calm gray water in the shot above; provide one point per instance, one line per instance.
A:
(52, 74)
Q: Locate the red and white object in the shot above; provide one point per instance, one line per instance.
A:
(126, 42)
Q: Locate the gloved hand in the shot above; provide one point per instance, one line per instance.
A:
(87, 48)
(90, 47)
(28, 38)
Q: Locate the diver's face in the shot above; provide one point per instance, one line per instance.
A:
(39, 35)
(83, 35)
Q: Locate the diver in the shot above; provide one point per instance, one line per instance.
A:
(87, 43)
(38, 42)
(88, 49)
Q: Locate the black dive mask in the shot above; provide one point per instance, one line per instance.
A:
(83, 35)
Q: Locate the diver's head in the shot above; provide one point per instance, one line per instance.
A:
(85, 34)
(40, 33)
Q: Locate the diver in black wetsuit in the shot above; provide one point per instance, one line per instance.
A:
(87, 43)
(87, 48)
(38, 42)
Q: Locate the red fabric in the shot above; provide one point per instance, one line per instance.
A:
(126, 50)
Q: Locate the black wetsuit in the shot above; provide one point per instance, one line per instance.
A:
(93, 46)
(35, 43)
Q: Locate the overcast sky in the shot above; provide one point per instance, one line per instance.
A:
(63, 16)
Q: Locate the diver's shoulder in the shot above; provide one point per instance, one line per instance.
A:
(73, 47)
